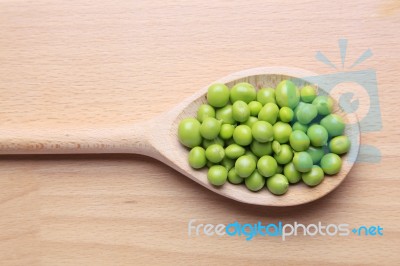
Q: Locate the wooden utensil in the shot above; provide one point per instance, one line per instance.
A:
(157, 138)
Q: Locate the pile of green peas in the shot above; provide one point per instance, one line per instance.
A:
(271, 137)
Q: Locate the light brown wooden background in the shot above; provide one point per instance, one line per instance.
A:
(73, 63)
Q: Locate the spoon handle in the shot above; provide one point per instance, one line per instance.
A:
(119, 139)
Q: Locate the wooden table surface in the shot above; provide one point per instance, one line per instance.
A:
(73, 63)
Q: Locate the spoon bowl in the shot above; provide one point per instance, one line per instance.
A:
(297, 194)
(158, 138)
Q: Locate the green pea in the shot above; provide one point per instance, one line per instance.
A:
(245, 166)
(208, 142)
(324, 104)
(287, 94)
(291, 173)
(204, 111)
(233, 177)
(296, 111)
(299, 126)
(299, 140)
(240, 111)
(266, 95)
(316, 154)
(226, 131)
(318, 135)
(331, 163)
(243, 92)
(302, 161)
(261, 149)
(252, 155)
(285, 155)
(218, 95)
(250, 122)
(267, 165)
(339, 145)
(282, 132)
(225, 114)
(189, 132)
(278, 184)
(210, 128)
(276, 146)
(262, 131)
(217, 175)
(242, 135)
(227, 163)
(313, 177)
(197, 158)
(269, 113)
(234, 151)
(334, 124)
(286, 114)
(255, 181)
(215, 153)
(306, 113)
(255, 107)
(308, 94)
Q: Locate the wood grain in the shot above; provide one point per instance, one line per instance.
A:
(66, 64)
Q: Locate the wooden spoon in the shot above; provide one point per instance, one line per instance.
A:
(157, 138)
